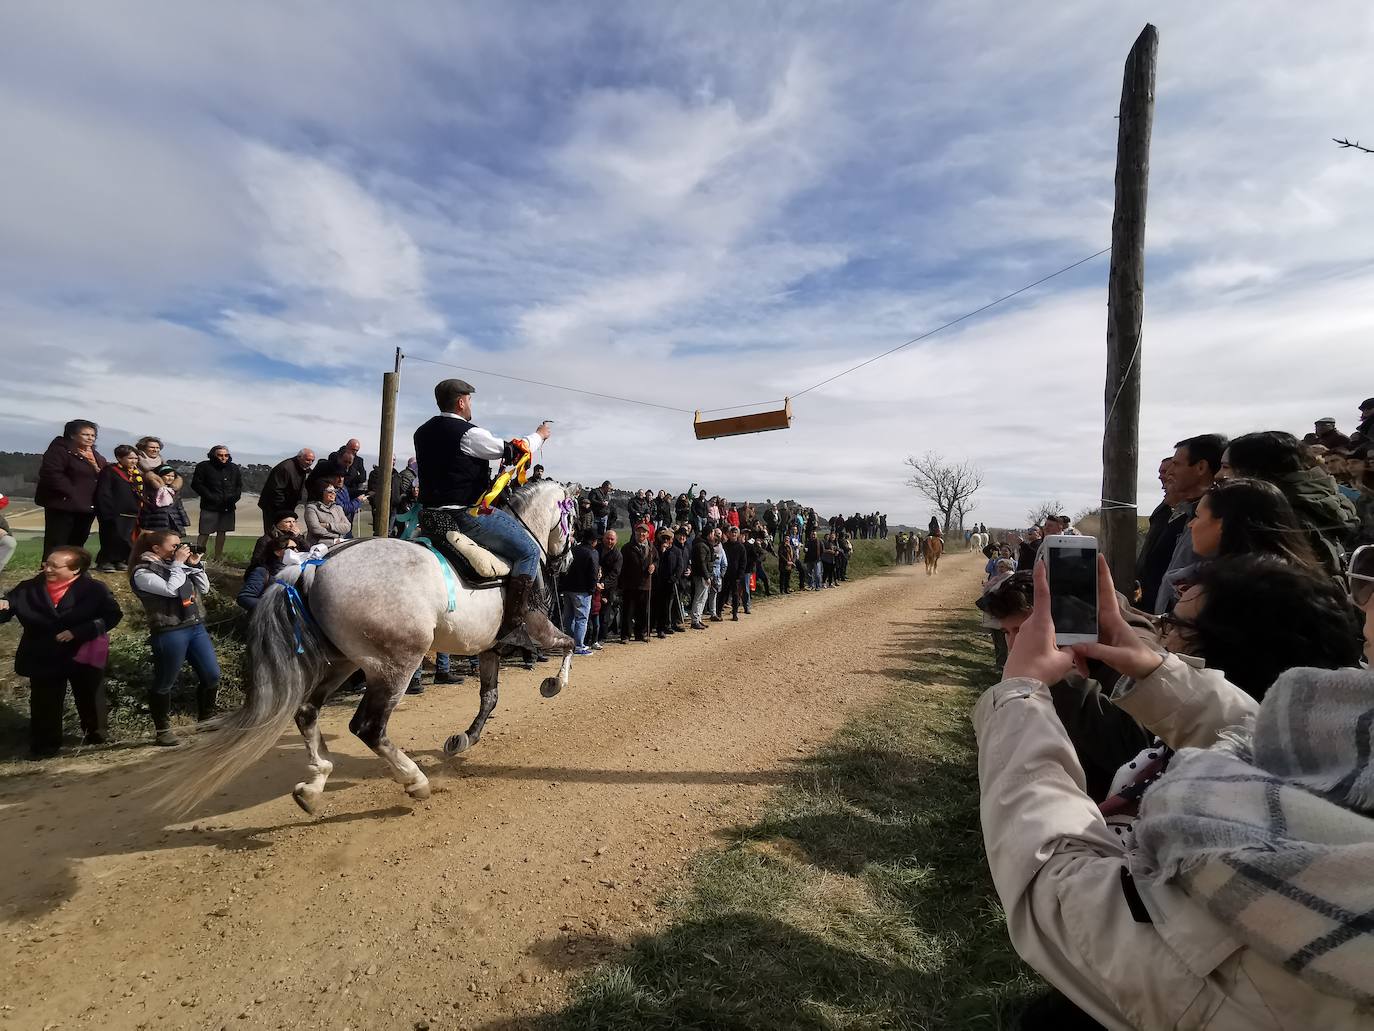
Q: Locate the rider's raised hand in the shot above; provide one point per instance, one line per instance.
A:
(543, 431)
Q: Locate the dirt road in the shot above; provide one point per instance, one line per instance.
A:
(541, 849)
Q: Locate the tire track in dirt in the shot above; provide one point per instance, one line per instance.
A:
(540, 851)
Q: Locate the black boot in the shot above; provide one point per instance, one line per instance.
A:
(160, 709)
(524, 623)
(205, 701)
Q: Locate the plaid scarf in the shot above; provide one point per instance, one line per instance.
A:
(1271, 830)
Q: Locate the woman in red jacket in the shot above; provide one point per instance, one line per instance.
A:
(66, 486)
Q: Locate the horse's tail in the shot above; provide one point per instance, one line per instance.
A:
(284, 659)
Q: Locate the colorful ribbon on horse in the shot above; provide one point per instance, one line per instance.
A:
(299, 613)
(447, 570)
(518, 470)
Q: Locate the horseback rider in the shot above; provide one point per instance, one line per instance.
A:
(935, 526)
(453, 457)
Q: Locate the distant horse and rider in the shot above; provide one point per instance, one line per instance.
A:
(932, 547)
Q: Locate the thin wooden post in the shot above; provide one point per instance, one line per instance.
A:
(1126, 310)
(391, 381)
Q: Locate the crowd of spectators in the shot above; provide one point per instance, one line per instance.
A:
(687, 560)
(1178, 818)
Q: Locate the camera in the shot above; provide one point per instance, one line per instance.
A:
(193, 549)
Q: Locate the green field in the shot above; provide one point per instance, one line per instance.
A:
(859, 899)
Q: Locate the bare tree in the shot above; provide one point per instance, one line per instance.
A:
(1355, 145)
(1037, 515)
(949, 486)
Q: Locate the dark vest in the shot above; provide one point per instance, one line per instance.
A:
(166, 614)
(447, 476)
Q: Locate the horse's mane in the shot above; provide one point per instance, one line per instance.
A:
(526, 495)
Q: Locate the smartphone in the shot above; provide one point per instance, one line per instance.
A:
(1071, 563)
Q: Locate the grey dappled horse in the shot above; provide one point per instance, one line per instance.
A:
(379, 606)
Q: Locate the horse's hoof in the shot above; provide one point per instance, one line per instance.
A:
(419, 790)
(459, 742)
(306, 799)
(549, 686)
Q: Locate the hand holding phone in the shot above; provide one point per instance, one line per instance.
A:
(1071, 567)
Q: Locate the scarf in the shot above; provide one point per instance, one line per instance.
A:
(1271, 830)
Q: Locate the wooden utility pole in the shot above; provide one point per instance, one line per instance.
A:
(387, 456)
(1126, 310)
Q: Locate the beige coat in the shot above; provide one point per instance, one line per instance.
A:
(325, 524)
(1061, 874)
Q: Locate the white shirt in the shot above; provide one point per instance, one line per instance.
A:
(150, 583)
(480, 443)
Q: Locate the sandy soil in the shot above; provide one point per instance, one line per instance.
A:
(541, 850)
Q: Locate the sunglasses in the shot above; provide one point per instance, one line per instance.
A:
(1360, 573)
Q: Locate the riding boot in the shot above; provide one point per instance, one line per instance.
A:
(524, 623)
(205, 701)
(160, 709)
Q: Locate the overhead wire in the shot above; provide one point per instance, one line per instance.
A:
(953, 322)
(758, 404)
(553, 386)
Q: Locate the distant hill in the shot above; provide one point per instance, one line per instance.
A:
(19, 474)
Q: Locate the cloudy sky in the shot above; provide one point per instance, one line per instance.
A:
(217, 221)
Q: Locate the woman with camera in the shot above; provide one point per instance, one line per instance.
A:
(168, 578)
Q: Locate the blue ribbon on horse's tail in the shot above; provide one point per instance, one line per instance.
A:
(299, 613)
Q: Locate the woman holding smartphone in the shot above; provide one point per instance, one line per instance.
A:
(1241, 902)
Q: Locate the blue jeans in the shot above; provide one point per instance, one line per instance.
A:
(171, 651)
(576, 609)
(501, 533)
(817, 571)
(441, 666)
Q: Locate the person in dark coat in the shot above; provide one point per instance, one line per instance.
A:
(285, 484)
(268, 559)
(218, 482)
(118, 501)
(636, 581)
(600, 498)
(1158, 547)
(759, 546)
(611, 564)
(376, 484)
(64, 613)
(667, 571)
(736, 568)
(702, 565)
(162, 507)
(346, 462)
(66, 486)
(701, 511)
(578, 585)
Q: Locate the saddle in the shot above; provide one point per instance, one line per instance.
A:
(473, 559)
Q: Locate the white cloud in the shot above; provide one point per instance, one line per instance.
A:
(698, 207)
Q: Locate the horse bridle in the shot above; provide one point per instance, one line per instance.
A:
(550, 564)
